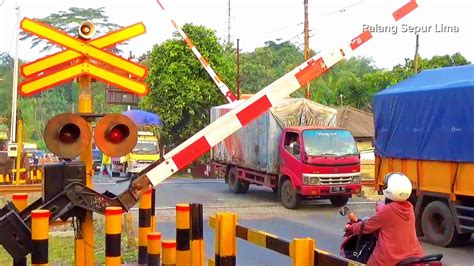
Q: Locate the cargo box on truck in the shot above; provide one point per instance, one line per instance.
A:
(424, 127)
(293, 149)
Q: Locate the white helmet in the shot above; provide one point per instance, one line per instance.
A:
(397, 187)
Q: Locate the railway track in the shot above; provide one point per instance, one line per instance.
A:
(26, 188)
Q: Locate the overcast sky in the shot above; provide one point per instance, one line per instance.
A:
(256, 21)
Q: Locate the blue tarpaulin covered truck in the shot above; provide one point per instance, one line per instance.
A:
(424, 127)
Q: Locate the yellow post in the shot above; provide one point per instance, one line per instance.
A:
(39, 236)
(39, 175)
(303, 251)
(197, 240)
(20, 200)
(19, 140)
(154, 249)
(225, 240)
(144, 225)
(113, 232)
(85, 245)
(169, 252)
(183, 252)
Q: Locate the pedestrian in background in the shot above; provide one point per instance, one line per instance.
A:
(106, 165)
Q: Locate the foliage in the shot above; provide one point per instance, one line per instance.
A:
(181, 90)
(266, 64)
(69, 21)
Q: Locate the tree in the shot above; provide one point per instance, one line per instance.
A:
(266, 64)
(181, 90)
(69, 22)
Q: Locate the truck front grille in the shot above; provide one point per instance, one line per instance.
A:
(335, 180)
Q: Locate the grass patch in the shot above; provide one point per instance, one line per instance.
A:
(61, 248)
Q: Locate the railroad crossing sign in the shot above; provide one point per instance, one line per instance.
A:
(82, 57)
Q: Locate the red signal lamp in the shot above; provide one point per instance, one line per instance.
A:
(69, 133)
(115, 135)
(118, 133)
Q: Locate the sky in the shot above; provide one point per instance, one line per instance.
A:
(447, 25)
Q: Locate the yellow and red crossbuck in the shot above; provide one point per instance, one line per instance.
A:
(82, 57)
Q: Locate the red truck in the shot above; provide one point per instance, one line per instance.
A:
(293, 149)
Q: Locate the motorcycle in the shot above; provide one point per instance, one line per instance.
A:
(359, 247)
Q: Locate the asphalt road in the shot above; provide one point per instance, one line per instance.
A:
(260, 209)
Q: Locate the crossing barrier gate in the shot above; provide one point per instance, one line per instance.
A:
(301, 250)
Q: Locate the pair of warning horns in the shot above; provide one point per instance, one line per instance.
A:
(67, 135)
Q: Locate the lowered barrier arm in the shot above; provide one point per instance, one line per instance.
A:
(301, 250)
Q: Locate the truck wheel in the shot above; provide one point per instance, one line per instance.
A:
(244, 187)
(289, 198)
(339, 201)
(235, 185)
(437, 223)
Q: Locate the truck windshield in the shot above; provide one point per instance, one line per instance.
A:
(146, 147)
(329, 143)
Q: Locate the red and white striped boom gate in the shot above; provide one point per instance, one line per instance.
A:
(220, 84)
(252, 108)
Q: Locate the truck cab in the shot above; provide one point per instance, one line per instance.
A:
(318, 162)
(145, 152)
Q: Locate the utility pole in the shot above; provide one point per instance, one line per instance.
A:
(15, 80)
(415, 60)
(228, 24)
(238, 70)
(307, 93)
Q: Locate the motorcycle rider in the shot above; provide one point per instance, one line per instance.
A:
(394, 223)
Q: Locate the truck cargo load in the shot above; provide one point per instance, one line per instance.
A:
(262, 136)
(433, 107)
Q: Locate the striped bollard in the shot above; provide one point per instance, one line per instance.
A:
(183, 253)
(144, 226)
(168, 253)
(113, 234)
(154, 249)
(20, 200)
(39, 237)
(153, 210)
(225, 239)
(303, 251)
(197, 242)
(39, 175)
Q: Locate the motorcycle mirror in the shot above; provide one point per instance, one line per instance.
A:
(344, 211)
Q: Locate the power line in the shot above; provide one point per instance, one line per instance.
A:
(343, 9)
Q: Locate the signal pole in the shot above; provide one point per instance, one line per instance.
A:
(415, 61)
(307, 93)
(15, 81)
(85, 246)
